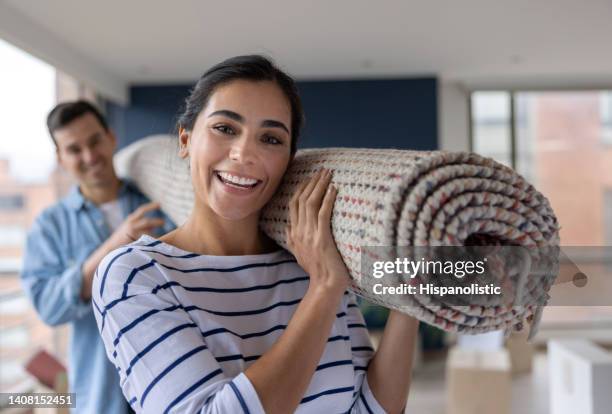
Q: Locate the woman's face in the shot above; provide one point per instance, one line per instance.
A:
(239, 147)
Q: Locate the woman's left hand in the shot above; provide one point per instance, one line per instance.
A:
(309, 236)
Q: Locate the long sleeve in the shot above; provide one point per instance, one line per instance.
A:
(362, 351)
(163, 360)
(52, 285)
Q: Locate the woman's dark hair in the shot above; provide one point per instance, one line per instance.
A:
(251, 67)
(66, 112)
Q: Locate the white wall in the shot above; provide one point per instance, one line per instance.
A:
(453, 112)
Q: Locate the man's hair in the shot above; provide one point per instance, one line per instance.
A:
(66, 112)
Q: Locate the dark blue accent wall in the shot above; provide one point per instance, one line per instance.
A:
(152, 110)
(371, 113)
(394, 113)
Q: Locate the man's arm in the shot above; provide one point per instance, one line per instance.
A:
(53, 285)
(60, 292)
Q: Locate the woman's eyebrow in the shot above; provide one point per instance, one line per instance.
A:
(270, 123)
(230, 114)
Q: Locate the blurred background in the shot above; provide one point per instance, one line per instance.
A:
(526, 83)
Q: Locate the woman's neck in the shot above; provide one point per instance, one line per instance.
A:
(205, 232)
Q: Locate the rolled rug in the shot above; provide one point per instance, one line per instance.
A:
(391, 198)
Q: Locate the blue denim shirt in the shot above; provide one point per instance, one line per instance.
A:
(60, 241)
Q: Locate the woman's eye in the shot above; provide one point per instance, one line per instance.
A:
(271, 140)
(224, 129)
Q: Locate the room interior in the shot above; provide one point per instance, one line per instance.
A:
(527, 84)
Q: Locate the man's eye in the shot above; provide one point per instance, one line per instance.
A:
(224, 129)
(271, 140)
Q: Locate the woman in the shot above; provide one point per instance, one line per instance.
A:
(215, 317)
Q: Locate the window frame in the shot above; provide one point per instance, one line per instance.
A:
(512, 92)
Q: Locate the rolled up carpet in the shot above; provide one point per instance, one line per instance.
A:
(391, 198)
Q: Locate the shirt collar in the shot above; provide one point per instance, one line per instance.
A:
(76, 200)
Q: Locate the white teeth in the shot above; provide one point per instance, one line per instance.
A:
(237, 180)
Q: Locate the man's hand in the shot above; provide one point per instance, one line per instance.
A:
(135, 225)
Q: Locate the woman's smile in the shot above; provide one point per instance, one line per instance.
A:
(237, 184)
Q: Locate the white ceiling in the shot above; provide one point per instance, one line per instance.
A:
(477, 41)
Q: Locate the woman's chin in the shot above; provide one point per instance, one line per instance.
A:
(232, 213)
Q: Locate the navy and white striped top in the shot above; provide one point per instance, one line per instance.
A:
(182, 328)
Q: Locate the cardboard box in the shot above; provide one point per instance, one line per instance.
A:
(478, 382)
(521, 352)
(580, 376)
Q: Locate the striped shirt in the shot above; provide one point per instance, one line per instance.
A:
(182, 328)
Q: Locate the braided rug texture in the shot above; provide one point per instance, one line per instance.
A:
(390, 198)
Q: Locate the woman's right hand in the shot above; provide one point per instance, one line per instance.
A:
(309, 235)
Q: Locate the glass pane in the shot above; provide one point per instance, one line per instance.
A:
(562, 148)
(27, 163)
(12, 236)
(491, 125)
(606, 117)
(14, 304)
(16, 337)
(11, 371)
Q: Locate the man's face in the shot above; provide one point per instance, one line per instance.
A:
(85, 150)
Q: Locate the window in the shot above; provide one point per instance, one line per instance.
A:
(12, 236)
(553, 139)
(491, 125)
(13, 304)
(15, 337)
(29, 89)
(606, 118)
(607, 211)
(11, 201)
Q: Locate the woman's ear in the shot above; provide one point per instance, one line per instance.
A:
(183, 137)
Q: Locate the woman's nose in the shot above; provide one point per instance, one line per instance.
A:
(242, 150)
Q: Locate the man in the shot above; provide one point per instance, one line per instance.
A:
(70, 238)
